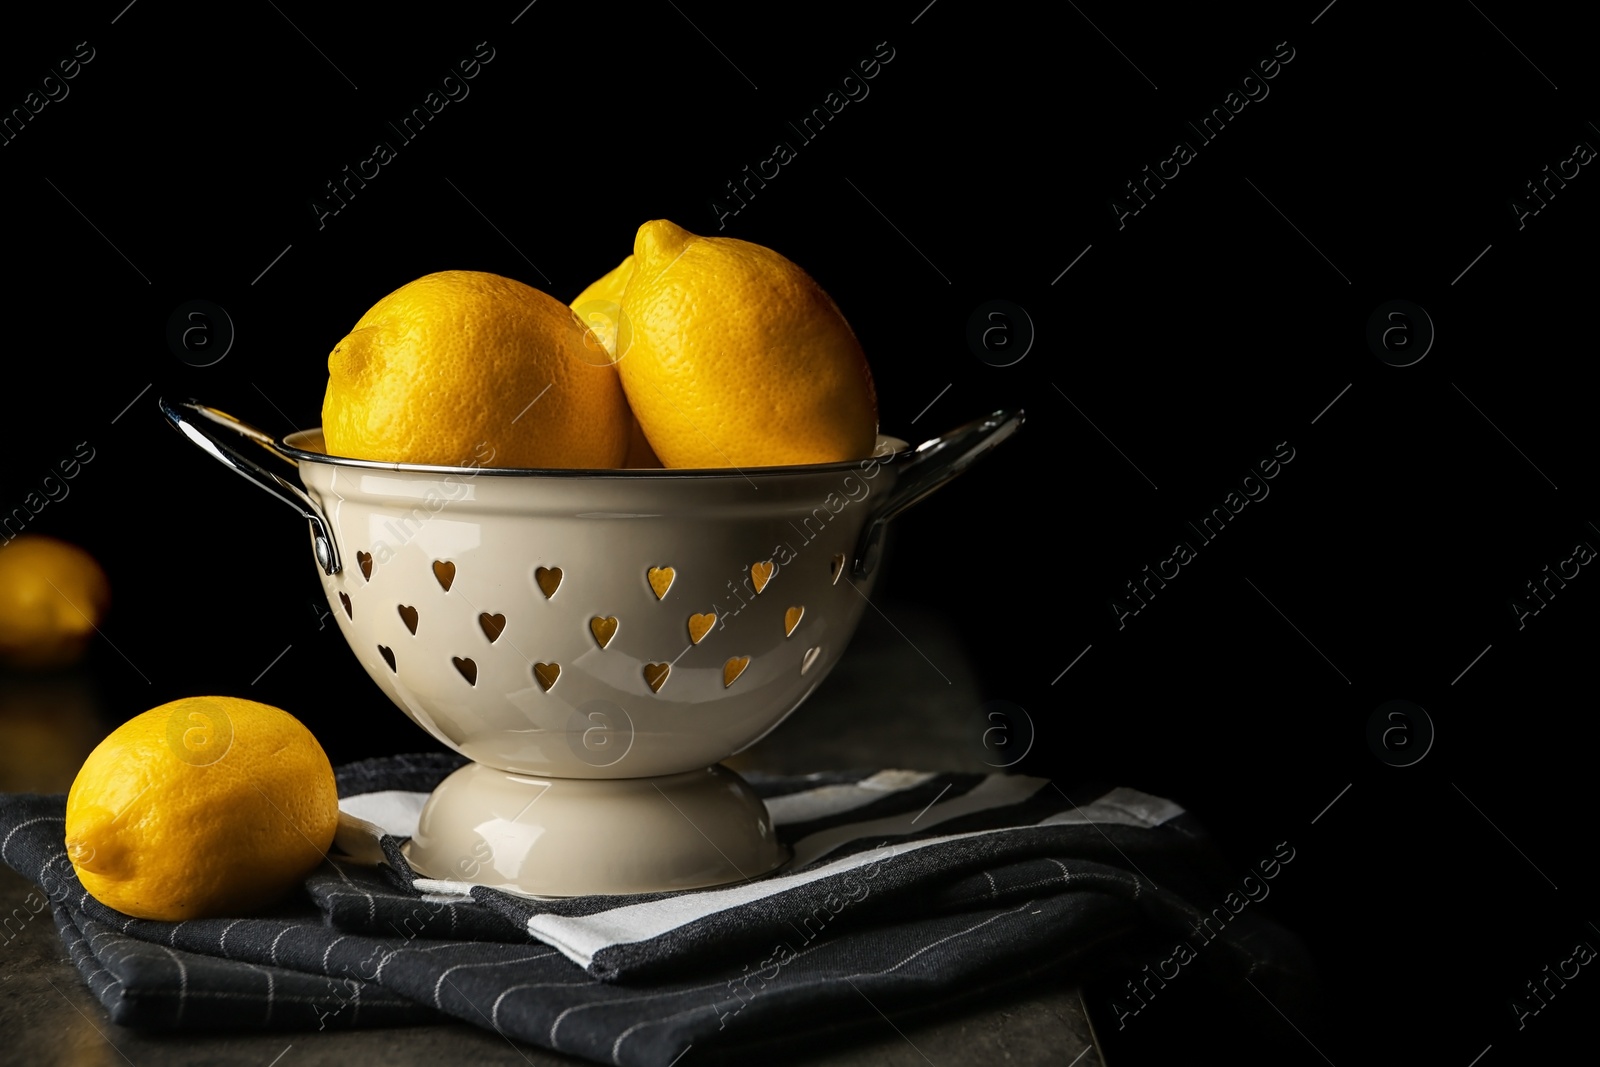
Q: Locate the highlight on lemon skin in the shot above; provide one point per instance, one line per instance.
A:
(202, 807)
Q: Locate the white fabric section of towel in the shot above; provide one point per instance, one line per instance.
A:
(995, 791)
(1128, 807)
(836, 799)
(393, 811)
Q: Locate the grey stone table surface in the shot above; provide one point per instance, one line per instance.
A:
(932, 721)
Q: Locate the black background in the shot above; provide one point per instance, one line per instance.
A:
(1180, 348)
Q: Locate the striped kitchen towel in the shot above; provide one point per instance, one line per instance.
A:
(905, 890)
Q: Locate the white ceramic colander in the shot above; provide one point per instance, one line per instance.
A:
(595, 641)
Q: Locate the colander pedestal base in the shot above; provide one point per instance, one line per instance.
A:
(573, 837)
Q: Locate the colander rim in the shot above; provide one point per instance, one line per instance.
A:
(294, 446)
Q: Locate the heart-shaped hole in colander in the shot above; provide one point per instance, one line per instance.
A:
(700, 625)
(546, 674)
(661, 579)
(655, 675)
(549, 579)
(761, 574)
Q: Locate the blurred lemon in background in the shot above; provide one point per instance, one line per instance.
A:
(52, 596)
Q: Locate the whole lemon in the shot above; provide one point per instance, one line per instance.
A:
(736, 356)
(52, 596)
(203, 807)
(463, 368)
(599, 307)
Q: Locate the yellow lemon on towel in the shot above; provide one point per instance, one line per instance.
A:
(204, 807)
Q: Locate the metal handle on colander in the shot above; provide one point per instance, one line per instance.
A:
(929, 466)
(200, 424)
